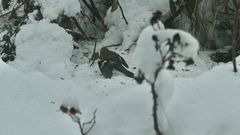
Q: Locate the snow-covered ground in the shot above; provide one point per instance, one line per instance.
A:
(206, 104)
(200, 101)
(203, 97)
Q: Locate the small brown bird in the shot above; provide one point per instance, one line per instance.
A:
(106, 54)
(109, 60)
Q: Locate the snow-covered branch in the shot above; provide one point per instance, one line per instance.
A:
(159, 47)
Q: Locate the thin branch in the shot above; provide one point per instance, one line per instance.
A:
(82, 126)
(114, 45)
(12, 10)
(93, 10)
(154, 109)
(96, 12)
(90, 20)
(78, 121)
(93, 54)
(86, 3)
(122, 13)
(80, 28)
(92, 122)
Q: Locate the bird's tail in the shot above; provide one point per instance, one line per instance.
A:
(122, 69)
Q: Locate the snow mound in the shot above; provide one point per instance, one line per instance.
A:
(145, 56)
(147, 59)
(53, 8)
(44, 47)
(164, 87)
(138, 14)
(207, 104)
(33, 99)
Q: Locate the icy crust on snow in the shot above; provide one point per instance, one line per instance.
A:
(147, 59)
(138, 14)
(53, 8)
(44, 47)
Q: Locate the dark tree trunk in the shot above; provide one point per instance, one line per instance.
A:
(235, 38)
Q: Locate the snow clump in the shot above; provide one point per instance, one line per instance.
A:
(44, 47)
(147, 59)
(53, 8)
(138, 13)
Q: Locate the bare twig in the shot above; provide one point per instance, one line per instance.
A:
(122, 12)
(93, 54)
(166, 58)
(114, 45)
(80, 127)
(90, 20)
(155, 110)
(12, 10)
(93, 10)
(92, 122)
(79, 28)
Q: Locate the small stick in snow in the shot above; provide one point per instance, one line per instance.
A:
(122, 13)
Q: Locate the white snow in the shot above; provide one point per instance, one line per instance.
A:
(71, 102)
(200, 101)
(138, 14)
(147, 59)
(12, 4)
(207, 104)
(165, 87)
(29, 103)
(51, 9)
(31, 17)
(44, 47)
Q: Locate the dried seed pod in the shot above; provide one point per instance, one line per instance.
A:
(64, 109)
(73, 111)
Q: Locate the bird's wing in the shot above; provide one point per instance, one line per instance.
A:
(123, 62)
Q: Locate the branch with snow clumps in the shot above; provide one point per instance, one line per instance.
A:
(185, 45)
(159, 47)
